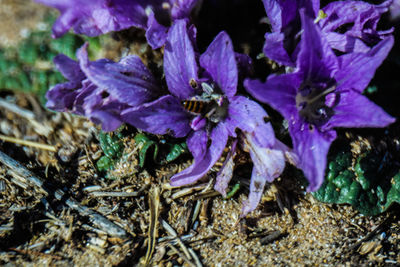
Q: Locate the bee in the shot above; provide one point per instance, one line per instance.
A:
(209, 104)
(195, 106)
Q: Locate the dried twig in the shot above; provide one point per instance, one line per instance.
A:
(272, 236)
(40, 128)
(114, 194)
(97, 219)
(35, 253)
(27, 114)
(154, 202)
(181, 255)
(173, 233)
(28, 143)
(373, 232)
(196, 259)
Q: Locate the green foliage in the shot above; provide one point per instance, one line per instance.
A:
(169, 151)
(29, 66)
(160, 151)
(112, 146)
(367, 182)
(233, 191)
(145, 143)
(174, 151)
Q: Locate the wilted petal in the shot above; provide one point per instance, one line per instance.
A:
(312, 148)
(257, 184)
(356, 110)
(269, 163)
(219, 61)
(249, 116)
(346, 43)
(129, 80)
(357, 69)
(359, 14)
(224, 175)
(180, 65)
(278, 91)
(162, 116)
(201, 165)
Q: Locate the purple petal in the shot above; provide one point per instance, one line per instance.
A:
(201, 165)
(197, 143)
(269, 163)
(250, 117)
(224, 175)
(104, 111)
(88, 88)
(275, 50)
(129, 80)
(62, 96)
(345, 43)
(283, 12)
(162, 116)
(93, 17)
(316, 59)
(257, 184)
(69, 68)
(312, 148)
(355, 110)
(219, 61)
(180, 65)
(198, 123)
(357, 69)
(278, 91)
(182, 8)
(359, 13)
(156, 34)
(245, 65)
(284, 19)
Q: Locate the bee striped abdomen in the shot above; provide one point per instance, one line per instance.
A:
(193, 106)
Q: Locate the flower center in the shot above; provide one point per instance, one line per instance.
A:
(315, 104)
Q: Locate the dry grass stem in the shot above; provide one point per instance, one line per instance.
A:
(28, 143)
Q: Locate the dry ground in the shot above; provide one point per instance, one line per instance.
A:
(138, 218)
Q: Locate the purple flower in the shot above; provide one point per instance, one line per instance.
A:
(348, 26)
(95, 17)
(323, 92)
(102, 89)
(209, 84)
(280, 45)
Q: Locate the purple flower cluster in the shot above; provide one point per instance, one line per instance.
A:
(330, 54)
(95, 17)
